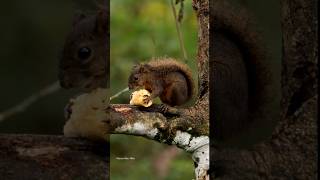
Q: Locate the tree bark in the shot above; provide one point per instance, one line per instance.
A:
(52, 157)
(291, 151)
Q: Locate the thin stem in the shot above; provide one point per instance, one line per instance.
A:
(23, 105)
(184, 53)
(119, 93)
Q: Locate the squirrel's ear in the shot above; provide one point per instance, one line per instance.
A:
(102, 22)
(145, 68)
(135, 66)
(77, 17)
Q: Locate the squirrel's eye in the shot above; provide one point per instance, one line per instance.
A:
(136, 78)
(84, 53)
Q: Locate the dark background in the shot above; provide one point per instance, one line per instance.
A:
(32, 36)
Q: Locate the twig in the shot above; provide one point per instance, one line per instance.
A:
(119, 93)
(22, 106)
(179, 31)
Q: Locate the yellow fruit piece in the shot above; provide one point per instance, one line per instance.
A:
(141, 98)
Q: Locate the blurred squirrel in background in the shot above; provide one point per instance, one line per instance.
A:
(85, 57)
(240, 72)
(165, 78)
(85, 64)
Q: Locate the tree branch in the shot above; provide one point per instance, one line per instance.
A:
(52, 157)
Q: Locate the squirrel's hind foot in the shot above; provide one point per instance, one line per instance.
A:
(164, 109)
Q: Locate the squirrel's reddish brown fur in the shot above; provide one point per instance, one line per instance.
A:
(164, 77)
(168, 65)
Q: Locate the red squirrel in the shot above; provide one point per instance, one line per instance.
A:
(166, 78)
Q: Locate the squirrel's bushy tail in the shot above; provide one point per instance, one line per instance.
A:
(235, 24)
(242, 94)
(171, 65)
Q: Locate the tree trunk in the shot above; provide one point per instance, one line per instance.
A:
(291, 151)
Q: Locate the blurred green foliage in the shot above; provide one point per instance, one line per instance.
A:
(144, 152)
(144, 29)
(141, 30)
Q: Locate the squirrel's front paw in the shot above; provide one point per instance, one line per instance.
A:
(86, 116)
